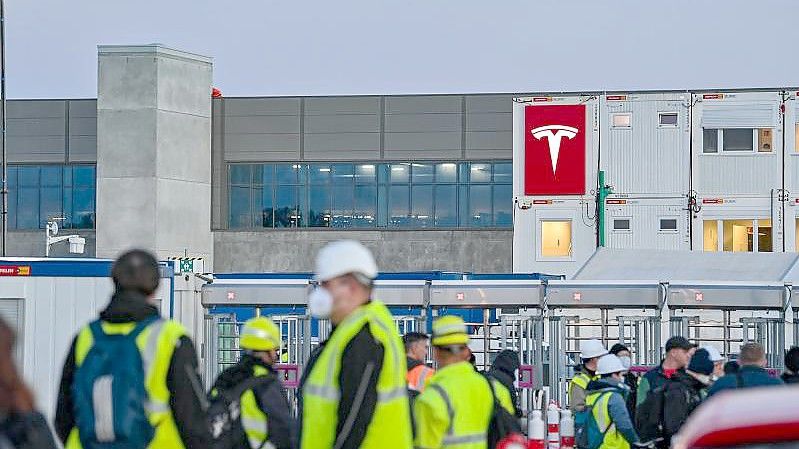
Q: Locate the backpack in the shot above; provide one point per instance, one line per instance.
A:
(587, 432)
(224, 413)
(666, 409)
(503, 424)
(110, 394)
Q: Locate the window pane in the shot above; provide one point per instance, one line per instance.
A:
(667, 118)
(556, 238)
(710, 141)
(738, 235)
(668, 224)
(622, 120)
(480, 173)
(503, 173)
(422, 173)
(711, 235)
(240, 174)
(764, 140)
(447, 172)
(738, 139)
(480, 205)
(365, 206)
(764, 236)
(343, 173)
(286, 206)
(365, 173)
(446, 203)
(264, 174)
(422, 205)
(240, 215)
(400, 173)
(28, 212)
(287, 173)
(398, 206)
(84, 175)
(265, 206)
(28, 176)
(83, 207)
(50, 204)
(343, 205)
(51, 175)
(503, 205)
(319, 206)
(319, 174)
(621, 224)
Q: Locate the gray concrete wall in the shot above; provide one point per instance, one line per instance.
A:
(31, 244)
(484, 251)
(153, 151)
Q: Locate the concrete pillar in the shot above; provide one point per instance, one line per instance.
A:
(153, 151)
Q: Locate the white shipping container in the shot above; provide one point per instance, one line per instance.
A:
(647, 223)
(730, 224)
(47, 301)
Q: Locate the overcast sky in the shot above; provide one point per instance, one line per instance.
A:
(296, 47)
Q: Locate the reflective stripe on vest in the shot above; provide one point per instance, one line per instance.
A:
(417, 377)
(450, 438)
(156, 345)
(390, 423)
(581, 380)
(253, 419)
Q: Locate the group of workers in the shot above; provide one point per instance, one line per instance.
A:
(131, 379)
(649, 410)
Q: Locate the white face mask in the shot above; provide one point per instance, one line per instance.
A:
(320, 303)
(626, 362)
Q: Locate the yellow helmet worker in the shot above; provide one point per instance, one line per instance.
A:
(265, 413)
(456, 407)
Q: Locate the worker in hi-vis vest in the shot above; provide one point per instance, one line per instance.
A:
(456, 407)
(131, 378)
(353, 392)
(590, 352)
(265, 412)
(419, 373)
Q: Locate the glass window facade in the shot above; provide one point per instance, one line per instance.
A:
(371, 195)
(39, 192)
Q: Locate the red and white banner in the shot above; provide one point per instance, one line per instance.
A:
(554, 150)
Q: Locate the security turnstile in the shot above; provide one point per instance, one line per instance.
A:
(730, 314)
(625, 312)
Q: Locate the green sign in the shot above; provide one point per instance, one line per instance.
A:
(186, 266)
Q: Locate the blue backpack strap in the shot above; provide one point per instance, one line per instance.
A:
(96, 327)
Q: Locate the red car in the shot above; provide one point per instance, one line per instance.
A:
(753, 418)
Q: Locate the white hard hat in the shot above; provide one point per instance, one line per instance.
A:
(714, 354)
(344, 257)
(592, 348)
(609, 364)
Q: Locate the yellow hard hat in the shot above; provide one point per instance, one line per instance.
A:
(449, 330)
(260, 334)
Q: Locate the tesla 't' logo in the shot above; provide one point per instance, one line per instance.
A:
(554, 134)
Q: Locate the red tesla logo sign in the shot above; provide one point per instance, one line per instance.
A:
(554, 150)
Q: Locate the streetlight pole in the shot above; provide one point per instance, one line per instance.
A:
(3, 125)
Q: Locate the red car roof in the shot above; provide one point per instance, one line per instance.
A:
(751, 416)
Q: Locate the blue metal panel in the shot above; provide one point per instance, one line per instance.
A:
(73, 267)
(513, 277)
(400, 276)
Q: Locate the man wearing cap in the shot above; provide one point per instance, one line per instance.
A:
(678, 354)
(590, 352)
(353, 392)
(265, 413)
(455, 409)
(607, 401)
(717, 359)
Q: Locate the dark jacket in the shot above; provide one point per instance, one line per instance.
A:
(649, 381)
(790, 378)
(361, 355)
(270, 397)
(748, 376)
(25, 431)
(186, 394)
(631, 380)
(617, 407)
(504, 371)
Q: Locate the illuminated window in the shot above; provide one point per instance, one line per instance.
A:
(622, 120)
(667, 119)
(738, 235)
(711, 235)
(556, 238)
(765, 140)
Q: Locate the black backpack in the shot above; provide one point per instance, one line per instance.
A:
(665, 410)
(224, 413)
(503, 423)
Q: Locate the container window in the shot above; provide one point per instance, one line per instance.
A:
(667, 119)
(765, 138)
(710, 141)
(621, 224)
(710, 235)
(796, 138)
(622, 120)
(738, 236)
(765, 244)
(556, 238)
(797, 235)
(668, 224)
(738, 140)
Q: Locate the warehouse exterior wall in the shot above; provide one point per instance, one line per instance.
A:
(484, 251)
